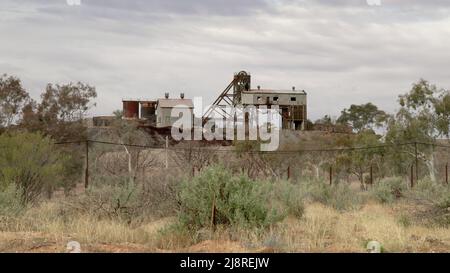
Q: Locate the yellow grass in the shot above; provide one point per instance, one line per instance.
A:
(326, 230)
(322, 229)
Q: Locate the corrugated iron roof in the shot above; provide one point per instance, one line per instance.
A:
(171, 103)
(273, 91)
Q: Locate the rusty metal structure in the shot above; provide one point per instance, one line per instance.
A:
(230, 96)
(292, 103)
(130, 109)
(136, 109)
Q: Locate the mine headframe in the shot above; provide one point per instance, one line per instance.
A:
(231, 96)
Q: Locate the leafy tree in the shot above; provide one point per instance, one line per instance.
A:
(13, 98)
(363, 117)
(423, 117)
(61, 111)
(442, 108)
(359, 161)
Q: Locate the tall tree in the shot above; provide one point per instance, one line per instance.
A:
(13, 98)
(359, 161)
(61, 111)
(423, 117)
(362, 117)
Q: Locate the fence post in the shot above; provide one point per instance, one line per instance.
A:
(417, 161)
(86, 169)
(412, 176)
(167, 155)
(371, 175)
(193, 171)
(446, 173)
(289, 172)
(331, 175)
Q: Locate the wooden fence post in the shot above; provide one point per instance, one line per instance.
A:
(446, 173)
(86, 170)
(331, 175)
(417, 161)
(167, 152)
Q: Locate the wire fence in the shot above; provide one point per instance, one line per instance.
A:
(366, 165)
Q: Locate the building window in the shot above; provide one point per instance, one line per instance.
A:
(275, 98)
(293, 99)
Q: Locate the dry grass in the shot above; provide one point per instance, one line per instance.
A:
(326, 230)
(322, 229)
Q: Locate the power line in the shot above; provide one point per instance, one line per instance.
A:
(257, 152)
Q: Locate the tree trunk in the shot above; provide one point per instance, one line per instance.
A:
(130, 165)
(431, 167)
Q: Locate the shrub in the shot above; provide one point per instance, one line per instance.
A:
(388, 189)
(239, 201)
(339, 196)
(31, 163)
(427, 190)
(344, 198)
(290, 198)
(10, 204)
(120, 199)
(435, 199)
(441, 212)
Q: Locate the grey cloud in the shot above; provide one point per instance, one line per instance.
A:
(341, 53)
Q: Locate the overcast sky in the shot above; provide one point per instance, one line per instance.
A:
(341, 52)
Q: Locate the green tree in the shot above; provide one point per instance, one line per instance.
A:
(61, 111)
(423, 117)
(13, 98)
(363, 117)
(359, 161)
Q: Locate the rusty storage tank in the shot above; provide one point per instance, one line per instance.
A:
(130, 109)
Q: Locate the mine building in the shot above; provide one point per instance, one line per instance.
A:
(165, 117)
(292, 104)
(140, 109)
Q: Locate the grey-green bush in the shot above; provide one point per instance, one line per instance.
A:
(427, 190)
(32, 163)
(10, 201)
(290, 198)
(441, 212)
(389, 189)
(119, 198)
(339, 196)
(239, 201)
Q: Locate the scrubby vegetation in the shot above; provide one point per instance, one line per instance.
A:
(261, 214)
(388, 190)
(265, 202)
(218, 197)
